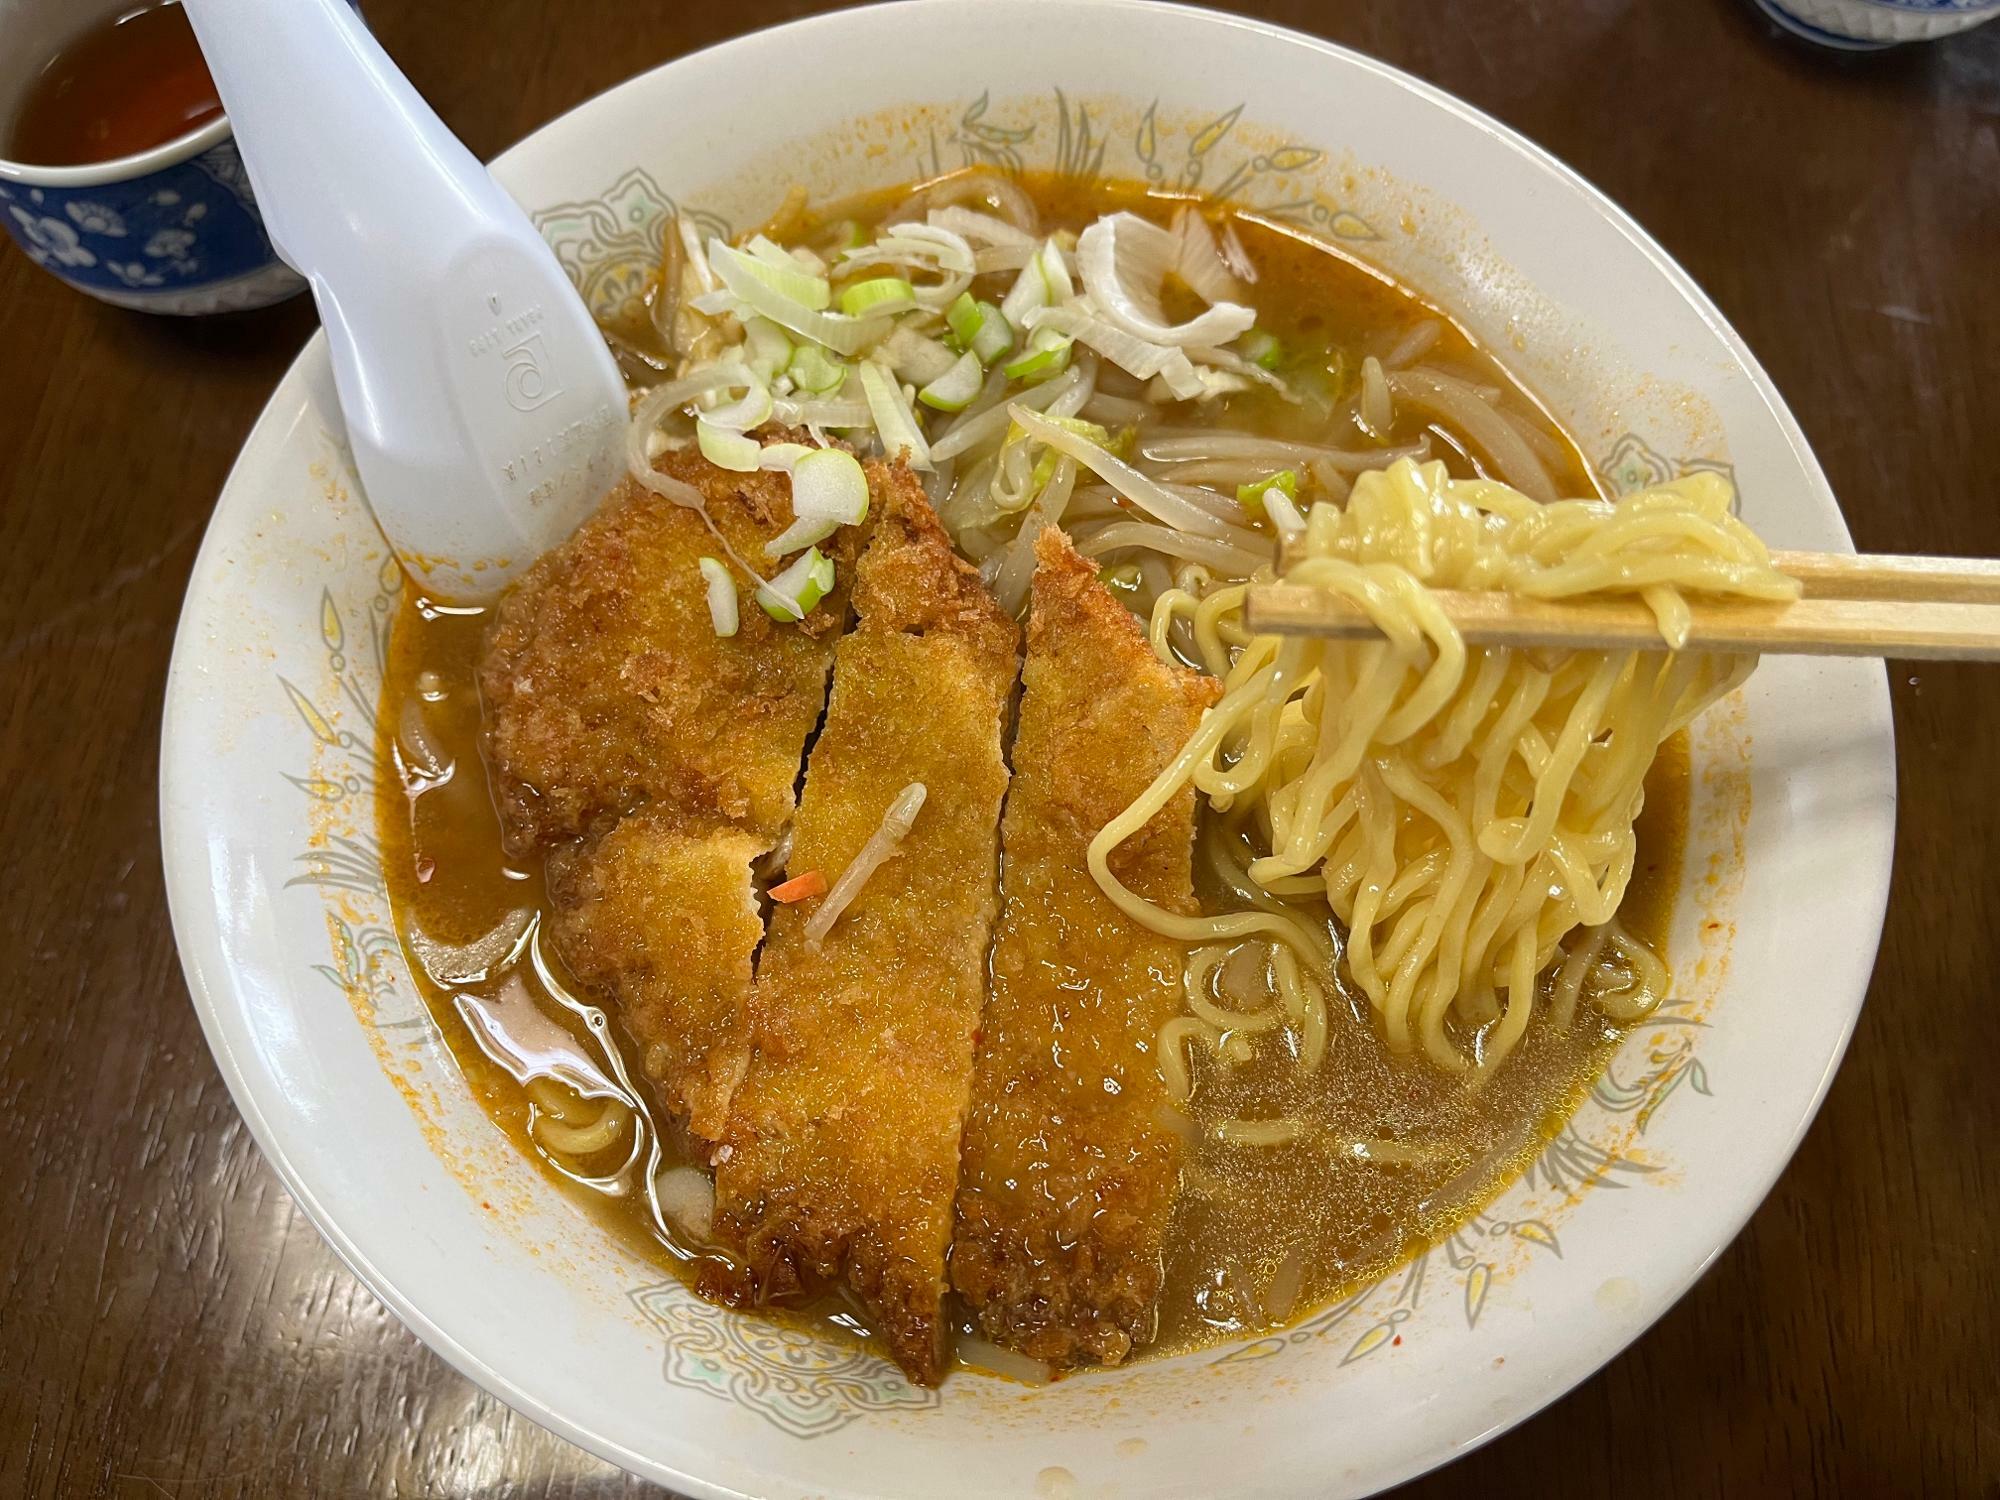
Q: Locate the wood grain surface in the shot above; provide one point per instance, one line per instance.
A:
(171, 1325)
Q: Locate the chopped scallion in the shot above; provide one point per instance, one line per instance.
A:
(782, 275)
(767, 347)
(995, 336)
(1262, 349)
(758, 287)
(806, 531)
(794, 592)
(981, 328)
(1054, 270)
(751, 409)
(721, 595)
(1284, 513)
(878, 294)
(828, 484)
(915, 357)
(895, 423)
(1044, 282)
(813, 369)
(781, 457)
(964, 317)
(735, 451)
(954, 390)
(1251, 496)
(1046, 356)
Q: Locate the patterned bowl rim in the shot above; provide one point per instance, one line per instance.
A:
(206, 947)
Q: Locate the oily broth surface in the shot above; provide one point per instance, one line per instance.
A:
(1262, 1235)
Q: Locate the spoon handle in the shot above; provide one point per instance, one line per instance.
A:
(482, 406)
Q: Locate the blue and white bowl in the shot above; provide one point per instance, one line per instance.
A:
(1868, 25)
(169, 230)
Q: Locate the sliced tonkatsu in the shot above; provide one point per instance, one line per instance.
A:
(664, 924)
(1069, 1164)
(655, 761)
(841, 1156)
(606, 687)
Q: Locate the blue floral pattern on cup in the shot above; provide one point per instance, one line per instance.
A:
(183, 239)
(1869, 25)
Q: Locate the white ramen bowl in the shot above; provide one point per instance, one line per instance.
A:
(277, 895)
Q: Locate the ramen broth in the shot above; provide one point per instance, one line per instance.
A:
(1394, 1153)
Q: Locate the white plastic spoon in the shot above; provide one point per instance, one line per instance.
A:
(484, 411)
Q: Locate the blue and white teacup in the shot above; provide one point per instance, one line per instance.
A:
(1866, 25)
(169, 230)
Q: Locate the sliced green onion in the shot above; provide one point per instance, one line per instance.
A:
(766, 345)
(1251, 496)
(806, 531)
(964, 318)
(735, 451)
(914, 357)
(782, 275)
(895, 423)
(828, 484)
(781, 458)
(1029, 291)
(1286, 519)
(721, 595)
(878, 294)
(980, 328)
(1047, 355)
(1044, 282)
(819, 582)
(750, 282)
(954, 390)
(1262, 349)
(1054, 271)
(792, 594)
(751, 409)
(995, 336)
(813, 369)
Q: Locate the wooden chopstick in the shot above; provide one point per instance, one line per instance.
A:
(1938, 580)
(1916, 608)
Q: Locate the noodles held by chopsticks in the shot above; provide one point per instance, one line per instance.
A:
(1464, 810)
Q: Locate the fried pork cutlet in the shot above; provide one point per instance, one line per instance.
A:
(665, 924)
(656, 761)
(606, 687)
(841, 1155)
(1069, 1168)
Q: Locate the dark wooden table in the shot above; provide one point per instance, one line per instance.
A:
(170, 1324)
